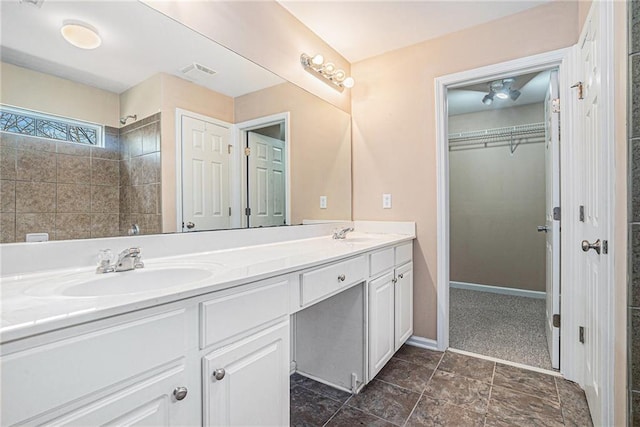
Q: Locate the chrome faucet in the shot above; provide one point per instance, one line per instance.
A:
(128, 259)
(342, 233)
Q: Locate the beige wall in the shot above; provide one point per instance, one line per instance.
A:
(393, 111)
(496, 201)
(320, 149)
(275, 43)
(45, 93)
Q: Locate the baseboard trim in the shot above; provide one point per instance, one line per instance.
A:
(498, 290)
(422, 342)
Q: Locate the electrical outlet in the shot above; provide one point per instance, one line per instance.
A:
(386, 201)
(323, 202)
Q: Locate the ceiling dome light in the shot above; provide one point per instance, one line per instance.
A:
(317, 60)
(81, 35)
(502, 95)
(349, 82)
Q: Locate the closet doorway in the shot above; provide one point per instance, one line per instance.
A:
(504, 207)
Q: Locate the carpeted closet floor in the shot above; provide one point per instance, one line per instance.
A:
(503, 326)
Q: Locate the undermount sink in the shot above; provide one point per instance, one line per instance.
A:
(88, 284)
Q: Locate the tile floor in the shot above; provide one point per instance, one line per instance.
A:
(421, 387)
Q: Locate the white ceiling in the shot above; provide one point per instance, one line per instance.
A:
(137, 42)
(363, 28)
(468, 99)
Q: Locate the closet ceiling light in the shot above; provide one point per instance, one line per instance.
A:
(327, 72)
(502, 90)
(81, 35)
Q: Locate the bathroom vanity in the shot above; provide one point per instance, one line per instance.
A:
(204, 338)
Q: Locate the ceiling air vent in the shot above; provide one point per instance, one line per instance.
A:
(197, 72)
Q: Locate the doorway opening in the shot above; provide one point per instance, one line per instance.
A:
(503, 149)
(560, 60)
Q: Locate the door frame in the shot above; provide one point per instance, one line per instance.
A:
(563, 59)
(241, 130)
(233, 176)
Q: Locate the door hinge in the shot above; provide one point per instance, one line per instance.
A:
(605, 247)
(229, 210)
(228, 148)
(581, 213)
(580, 90)
(247, 151)
(247, 211)
(556, 213)
(556, 320)
(581, 334)
(555, 105)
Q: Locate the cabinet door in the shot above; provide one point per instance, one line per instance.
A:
(381, 308)
(247, 383)
(149, 402)
(403, 304)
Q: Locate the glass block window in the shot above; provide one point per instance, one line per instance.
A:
(25, 122)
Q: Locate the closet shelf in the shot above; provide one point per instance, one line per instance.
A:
(510, 136)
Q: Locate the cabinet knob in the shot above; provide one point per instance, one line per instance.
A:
(180, 393)
(219, 374)
(341, 278)
(400, 276)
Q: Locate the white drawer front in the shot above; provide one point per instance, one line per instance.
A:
(404, 253)
(323, 281)
(249, 307)
(380, 261)
(46, 377)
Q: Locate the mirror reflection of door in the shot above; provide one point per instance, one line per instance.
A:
(205, 174)
(266, 177)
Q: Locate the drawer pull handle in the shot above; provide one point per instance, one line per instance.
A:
(400, 276)
(180, 393)
(219, 374)
(342, 278)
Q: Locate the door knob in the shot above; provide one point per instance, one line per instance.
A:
(180, 393)
(190, 225)
(595, 246)
(542, 228)
(219, 374)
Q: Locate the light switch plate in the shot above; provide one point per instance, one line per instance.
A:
(323, 202)
(386, 201)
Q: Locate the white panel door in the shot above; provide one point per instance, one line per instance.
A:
(205, 175)
(266, 190)
(403, 304)
(594, 178)
(252, 383)
(552, 227)
(381, 322)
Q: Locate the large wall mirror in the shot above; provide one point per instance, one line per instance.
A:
(156, 130)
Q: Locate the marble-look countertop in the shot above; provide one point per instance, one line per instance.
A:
(32, 303)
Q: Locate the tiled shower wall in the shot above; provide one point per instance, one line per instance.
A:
(634, 213)
(73, 191)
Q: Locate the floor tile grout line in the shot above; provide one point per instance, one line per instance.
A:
(555, 381)
(493, 376)
(423, 390)
(336, 413)
(528, 394)
(399, 386)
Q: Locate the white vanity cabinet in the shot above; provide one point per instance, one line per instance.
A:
(245, 367)
(390, 295)
(122, 372)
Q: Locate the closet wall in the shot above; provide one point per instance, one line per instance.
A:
(497, 198)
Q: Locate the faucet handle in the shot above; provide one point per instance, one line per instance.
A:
(105, 257)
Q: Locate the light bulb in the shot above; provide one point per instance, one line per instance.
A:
(329, 68)
(339, 76)
(349, 82)
(81, 35)
(317, 60)
(502, 95)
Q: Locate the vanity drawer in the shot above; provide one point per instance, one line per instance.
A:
(249, 306)
(404, 253)
(323, 281)
(52, 375)
(381, 261)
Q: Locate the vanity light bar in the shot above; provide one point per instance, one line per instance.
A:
(326, 71)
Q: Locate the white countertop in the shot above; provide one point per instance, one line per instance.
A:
(30, 305)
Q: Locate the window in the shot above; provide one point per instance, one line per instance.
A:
(25, 122)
